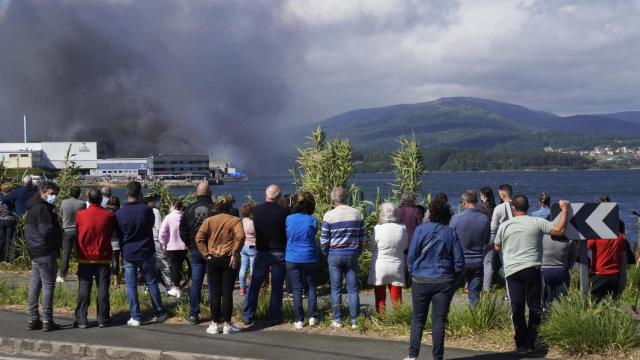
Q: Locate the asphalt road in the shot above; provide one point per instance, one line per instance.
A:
(256, 344)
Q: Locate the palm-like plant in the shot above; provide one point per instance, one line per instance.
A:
(408, 166)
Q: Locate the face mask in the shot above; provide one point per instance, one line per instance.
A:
(51, 199)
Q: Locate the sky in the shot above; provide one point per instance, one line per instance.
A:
(231, 77)
(566, 57)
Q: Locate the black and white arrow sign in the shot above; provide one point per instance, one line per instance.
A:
(590, 221)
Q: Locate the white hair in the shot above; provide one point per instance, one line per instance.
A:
(27, 180)
(389, 213)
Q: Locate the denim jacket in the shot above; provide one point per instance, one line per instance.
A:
(435, 254)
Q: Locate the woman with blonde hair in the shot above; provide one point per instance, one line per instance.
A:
(389, 242)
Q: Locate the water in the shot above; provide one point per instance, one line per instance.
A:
(577, 186)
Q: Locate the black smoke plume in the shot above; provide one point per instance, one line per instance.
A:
(148, 76)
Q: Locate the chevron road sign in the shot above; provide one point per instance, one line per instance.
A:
(590, 221)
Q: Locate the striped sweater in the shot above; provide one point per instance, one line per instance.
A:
(343, 231)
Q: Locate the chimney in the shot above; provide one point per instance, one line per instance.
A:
(25, 127)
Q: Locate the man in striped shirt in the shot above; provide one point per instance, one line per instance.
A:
(342, 239)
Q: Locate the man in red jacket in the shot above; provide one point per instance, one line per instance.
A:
(94, 227)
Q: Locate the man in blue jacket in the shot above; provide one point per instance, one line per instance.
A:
(21, 195)
(474, 232)
(135, 221)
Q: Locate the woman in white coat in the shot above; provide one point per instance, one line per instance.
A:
(388, 244)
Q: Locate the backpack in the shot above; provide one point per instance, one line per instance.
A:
(6, 214)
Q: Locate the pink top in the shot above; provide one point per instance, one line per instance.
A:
(249, 232)
(170, 232)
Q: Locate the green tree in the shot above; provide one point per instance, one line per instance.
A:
(68, 176)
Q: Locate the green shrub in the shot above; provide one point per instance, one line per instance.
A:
(576, 325)
(491, 313)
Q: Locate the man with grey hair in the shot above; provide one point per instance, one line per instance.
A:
(22, 194)
(106, 194)
(474, 231)
(342, 238)
(269, 221)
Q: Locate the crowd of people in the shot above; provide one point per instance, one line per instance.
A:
(431, 250)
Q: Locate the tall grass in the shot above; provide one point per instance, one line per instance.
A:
(408, 166)
(577, 325)
(490, 313)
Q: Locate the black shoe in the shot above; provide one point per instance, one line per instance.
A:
(34, 325)
(193, 320)
(104, 324)
(522, 350)
(247, 322)
(50, 326)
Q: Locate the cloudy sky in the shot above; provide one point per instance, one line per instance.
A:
(147, 76)
(561, 56)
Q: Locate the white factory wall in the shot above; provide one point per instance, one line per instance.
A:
(52, 154)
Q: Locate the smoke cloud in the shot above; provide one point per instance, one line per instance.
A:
(149, 76)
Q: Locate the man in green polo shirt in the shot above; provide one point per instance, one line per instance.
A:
(520, 240)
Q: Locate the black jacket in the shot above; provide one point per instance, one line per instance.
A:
(269, 220)
(193, 217)
(42, 229)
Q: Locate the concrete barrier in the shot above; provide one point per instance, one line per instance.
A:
(90, 351)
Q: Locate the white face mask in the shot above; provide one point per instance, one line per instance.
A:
(51, 199)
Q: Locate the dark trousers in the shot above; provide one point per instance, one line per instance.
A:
(265, 261)
(176, 259)
(6, 241)
(43, 279)
(556, 283)
(198, 270)
(222, 278)
(423, 295)
(115, 262)
(86, 275)
(473, 274)
(68, 243)
(603, 285)
(525, 288)
(297, 273)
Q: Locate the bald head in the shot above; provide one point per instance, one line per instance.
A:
(272, 194)
(106, 191)
(203, 189)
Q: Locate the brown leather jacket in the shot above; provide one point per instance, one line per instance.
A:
(220, 235)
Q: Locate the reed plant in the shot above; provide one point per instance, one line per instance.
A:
(490, 313)
(408, 166)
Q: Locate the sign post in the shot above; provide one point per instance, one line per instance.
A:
(588, 221)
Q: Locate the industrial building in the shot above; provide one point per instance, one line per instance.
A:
(122, 167)
(179, 166)
(48, 155)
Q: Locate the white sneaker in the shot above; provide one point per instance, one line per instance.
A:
(230, 329)
(60, 279)
(214, 328)
(133, 322)
(313, 321)
(299, 325)
(175, 292)
(336, 324)
(354, 326)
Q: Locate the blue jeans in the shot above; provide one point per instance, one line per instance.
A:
(298, 273)
(556, 282)
(264, 261)
(347, 266)
(423, 295)
(198, 269)
(247, 259)
(473, 276)
(148, 270)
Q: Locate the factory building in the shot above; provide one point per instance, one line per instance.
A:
(179, 166)
(122, 167)
(48, 155)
